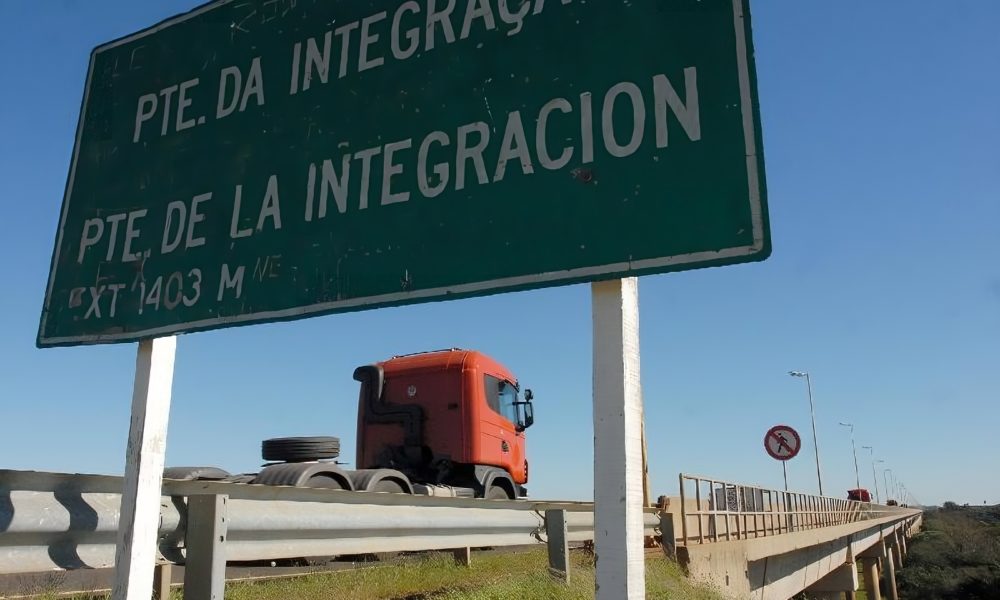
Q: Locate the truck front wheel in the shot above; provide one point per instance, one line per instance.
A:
(497, 493)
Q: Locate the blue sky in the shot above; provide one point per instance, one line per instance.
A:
(880, 129)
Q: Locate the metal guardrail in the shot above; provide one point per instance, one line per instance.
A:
(724, 511)
(56, 521)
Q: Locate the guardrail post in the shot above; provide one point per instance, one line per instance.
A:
(556, 530)
(205, 538)
(668, 537)
(162, 575)
(463, 556)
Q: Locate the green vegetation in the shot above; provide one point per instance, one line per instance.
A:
(956, 557)
(492, 576)
(436, 576)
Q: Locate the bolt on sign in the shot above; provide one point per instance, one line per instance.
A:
(264, 160)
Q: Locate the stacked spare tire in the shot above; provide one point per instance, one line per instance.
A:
(300, 449)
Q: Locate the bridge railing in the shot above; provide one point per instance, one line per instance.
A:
(713, 510)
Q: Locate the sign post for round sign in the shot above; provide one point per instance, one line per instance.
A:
(386, 157)
(782, 443)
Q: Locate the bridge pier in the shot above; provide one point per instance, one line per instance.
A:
(838, 584)
(890, 575)
(897, 555)
(869, 565)
(873, 562)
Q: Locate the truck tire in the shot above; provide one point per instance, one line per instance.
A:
(388, 486)
(494, 482)
(496, 492)
(314, 475)
(324, 482)
(300, 449)
(388, 481)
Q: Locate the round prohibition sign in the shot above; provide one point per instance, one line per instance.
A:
(782, 442)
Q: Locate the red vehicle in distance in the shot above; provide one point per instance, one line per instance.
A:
(859, 495)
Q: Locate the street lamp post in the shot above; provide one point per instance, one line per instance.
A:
(871, 451)
(812, 413)
(857, 476)
(878, 462)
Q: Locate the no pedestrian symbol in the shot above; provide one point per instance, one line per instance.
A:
(782, 442)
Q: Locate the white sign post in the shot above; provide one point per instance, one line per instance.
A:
(618, 493)
(139, 520)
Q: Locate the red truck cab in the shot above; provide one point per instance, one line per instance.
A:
(451, 418)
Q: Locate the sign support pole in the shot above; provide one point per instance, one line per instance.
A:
(138, 524)
(618, 478)
(784, 469)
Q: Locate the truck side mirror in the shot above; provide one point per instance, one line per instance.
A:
(529, 395)
(525, 414)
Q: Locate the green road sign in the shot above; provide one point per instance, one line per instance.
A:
(263, 160)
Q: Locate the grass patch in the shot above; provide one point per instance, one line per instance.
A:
(492, 576)
(435, 576)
